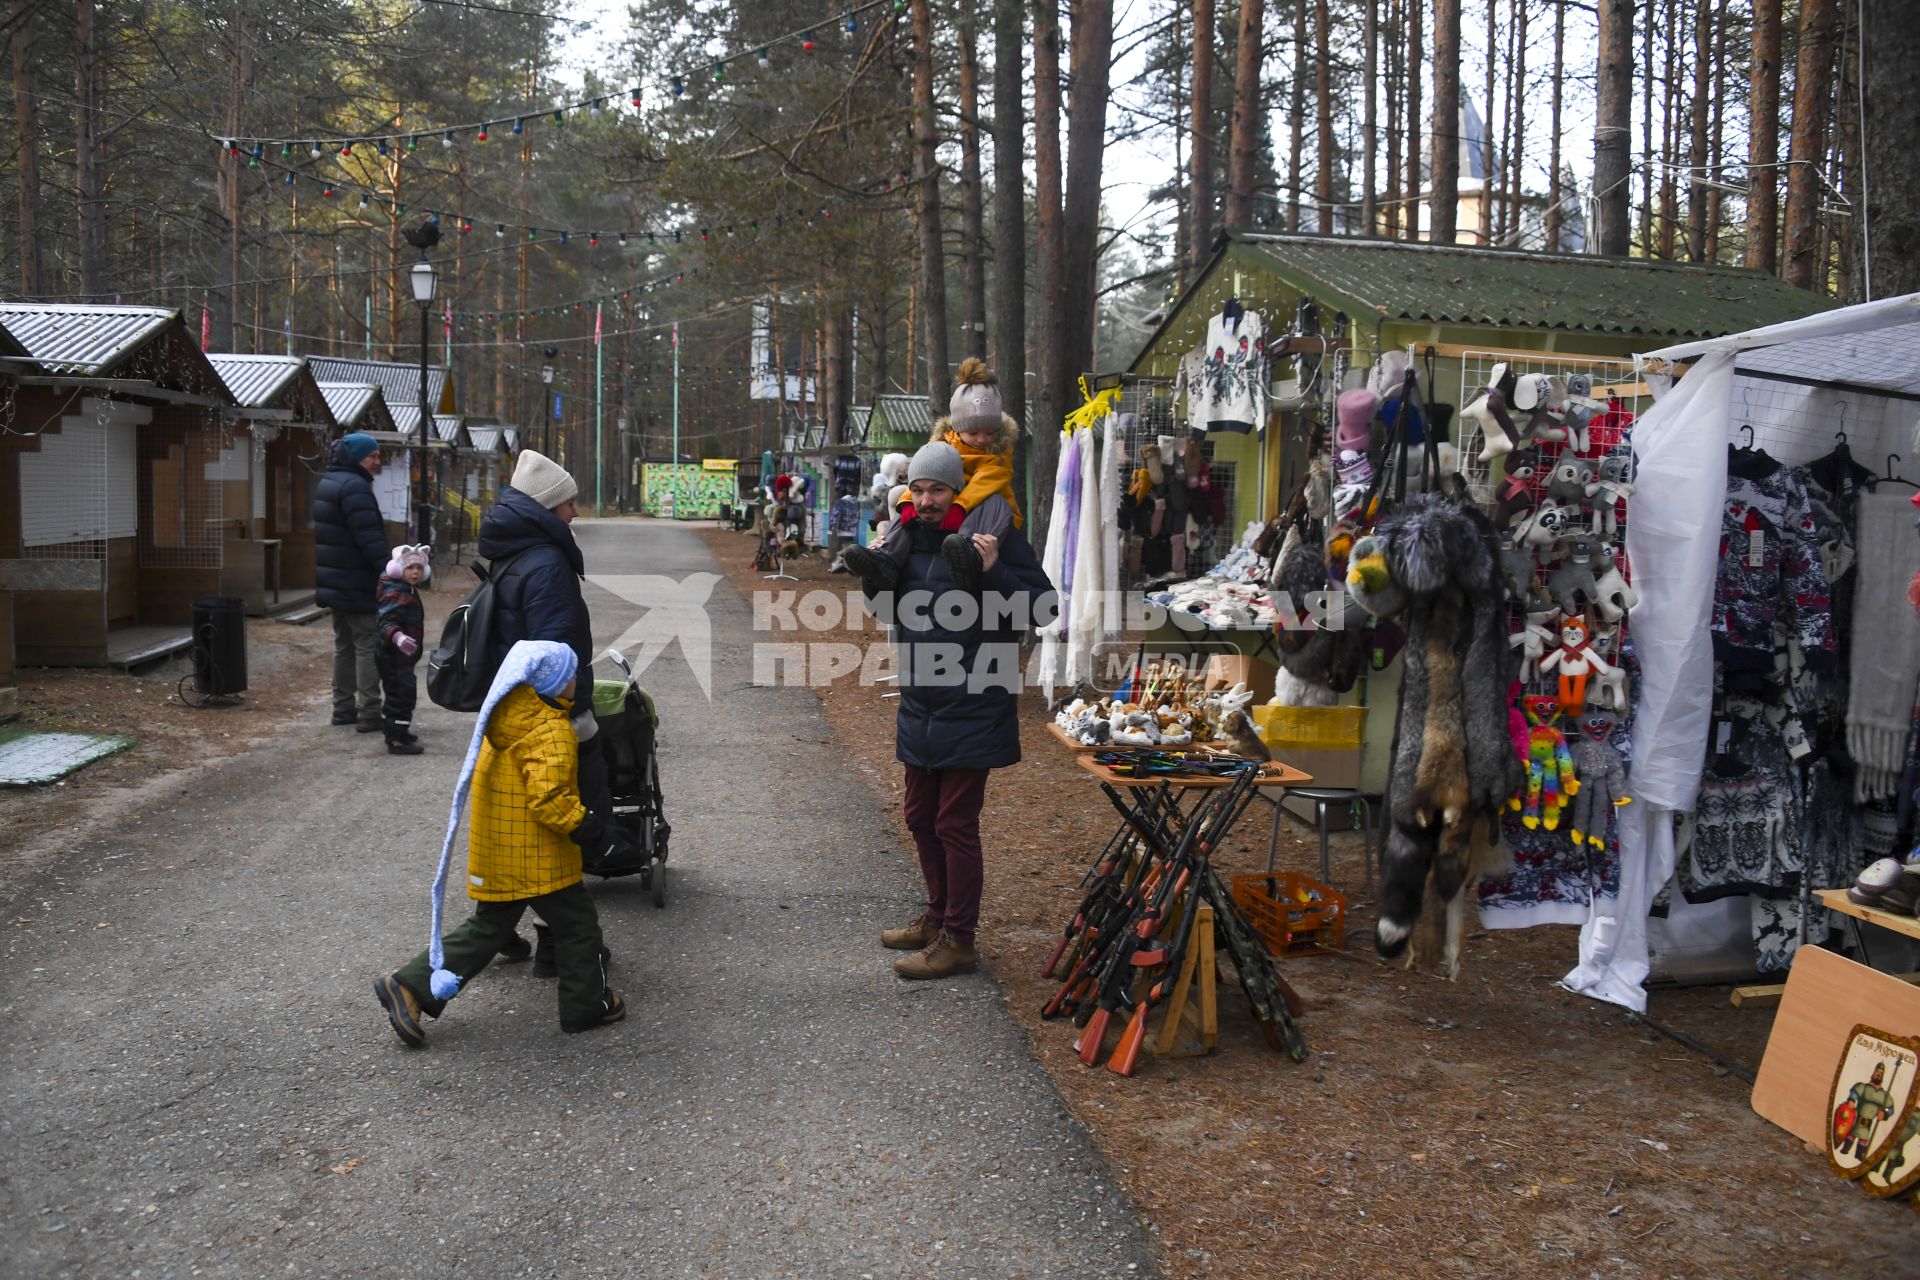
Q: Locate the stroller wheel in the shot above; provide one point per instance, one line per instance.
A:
(657, 874)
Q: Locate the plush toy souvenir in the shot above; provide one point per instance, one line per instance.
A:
(1543, 526)
(1519, 493)
(1487, 413)
(1611, 593)
(1607, 690)
(1516, 571)
(1550, 777)
(1607, 488)
(1576, 661)
(1368, 582)
(1532, 643)
(1570, 481)
(1517, 723)
(1536, 391)
(1573, 585)
(1603, 780)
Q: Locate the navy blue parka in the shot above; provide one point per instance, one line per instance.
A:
(538, 595)
(349, 538)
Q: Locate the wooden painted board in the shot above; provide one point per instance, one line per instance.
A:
(1827, 995)
(1837, 900)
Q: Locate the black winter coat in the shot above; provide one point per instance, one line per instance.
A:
(538, 595)
(973, 721)
(349, 538)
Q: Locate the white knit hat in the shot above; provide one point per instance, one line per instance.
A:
(543, 479)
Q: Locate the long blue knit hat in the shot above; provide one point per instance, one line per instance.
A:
(547, 665)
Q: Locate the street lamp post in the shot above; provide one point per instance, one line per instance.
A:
(424, 283)
(546, 402)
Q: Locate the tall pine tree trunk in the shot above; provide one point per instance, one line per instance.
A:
(1669, 208)
(1049, 384)
(90, 196)
(1369, 121)
(1200, 163)
(1297, 116)
(1010, 208)
(1244, 143)
(1445, 133)
(1416, 123)
(1890, 46)
(1612, 132)
(973, 231)
(1697, 181)
(1323, 105)
(933, 265)
(1763, 139)
(1395, 90)
(1090, 78)
(1807, 149)
(26, 111)
(1554, 193)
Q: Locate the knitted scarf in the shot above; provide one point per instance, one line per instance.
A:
(1885, 647)
(547, 665)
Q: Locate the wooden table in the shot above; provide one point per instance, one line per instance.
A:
(1272, 774)
(1837, 900)
(1078, 747)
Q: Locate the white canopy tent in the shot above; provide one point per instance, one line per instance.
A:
(1798, 386)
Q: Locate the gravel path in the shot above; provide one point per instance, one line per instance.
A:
(197, 1080)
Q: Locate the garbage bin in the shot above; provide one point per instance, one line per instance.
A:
(219, 645)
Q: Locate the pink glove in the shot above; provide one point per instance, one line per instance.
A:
(406, 644)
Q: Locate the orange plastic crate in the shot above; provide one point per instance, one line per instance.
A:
(1294, 915)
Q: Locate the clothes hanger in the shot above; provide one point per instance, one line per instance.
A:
(1232, 311)
(1893, 476)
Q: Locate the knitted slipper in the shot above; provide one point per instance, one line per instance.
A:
(1886, 886)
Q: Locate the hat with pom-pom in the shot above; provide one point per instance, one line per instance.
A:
(975, 404)
(548, 666)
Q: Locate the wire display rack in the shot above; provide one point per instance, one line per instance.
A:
(1611, 379)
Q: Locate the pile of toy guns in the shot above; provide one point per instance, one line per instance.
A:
(1122, 952)
(1201, 762)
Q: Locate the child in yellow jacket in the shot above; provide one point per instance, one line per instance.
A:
(527, 830)
(984, 436)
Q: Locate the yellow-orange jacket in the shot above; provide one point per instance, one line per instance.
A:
(525, 802)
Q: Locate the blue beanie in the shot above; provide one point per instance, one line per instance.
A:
(359, 445)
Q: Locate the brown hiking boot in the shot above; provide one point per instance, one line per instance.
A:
(942, 958)
(403, 1011)
(913, 937)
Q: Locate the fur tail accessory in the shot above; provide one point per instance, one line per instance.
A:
(548, 666)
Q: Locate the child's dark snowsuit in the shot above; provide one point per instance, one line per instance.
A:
(400, 613)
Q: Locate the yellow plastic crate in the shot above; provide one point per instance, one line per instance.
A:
(1311, 728)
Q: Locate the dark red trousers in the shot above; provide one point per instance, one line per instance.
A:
(943, 813)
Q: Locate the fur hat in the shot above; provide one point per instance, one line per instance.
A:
(543, 479)
(939, 462)
(975, 405)
(404, 555)
(1355, 410)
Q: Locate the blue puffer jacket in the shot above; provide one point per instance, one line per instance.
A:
(349, 539)
(539, 593)
(972, 721)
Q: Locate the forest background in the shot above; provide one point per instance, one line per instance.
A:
(883, 188)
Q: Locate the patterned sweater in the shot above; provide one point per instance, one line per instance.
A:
(1770, 570)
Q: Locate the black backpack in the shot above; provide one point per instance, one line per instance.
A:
(461, 667)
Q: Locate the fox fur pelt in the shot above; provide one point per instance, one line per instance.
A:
(1453, 762)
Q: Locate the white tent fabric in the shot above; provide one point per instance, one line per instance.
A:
(1673, 544)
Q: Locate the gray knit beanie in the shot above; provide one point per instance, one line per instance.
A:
(543, 479)
(938, 461)
(975, 405)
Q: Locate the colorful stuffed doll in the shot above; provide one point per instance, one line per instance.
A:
(1550, 779)
(1604, 777)
(1576, 661)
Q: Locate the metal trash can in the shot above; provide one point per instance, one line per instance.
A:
(219, 645)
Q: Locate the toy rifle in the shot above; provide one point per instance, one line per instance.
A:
(1274, 1003)
(1109, 911)
(1108, 874)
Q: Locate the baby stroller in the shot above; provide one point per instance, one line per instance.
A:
(628, 723)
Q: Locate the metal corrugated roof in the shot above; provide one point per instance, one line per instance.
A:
(348, 400)
(78, 339)
(400, 383)
(448, 429)
(905, 413)
(255, 380)
(486, 439)
(513, 439)
(406, 417)
(1514, 289)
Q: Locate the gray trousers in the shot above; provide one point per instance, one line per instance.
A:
(354, 675)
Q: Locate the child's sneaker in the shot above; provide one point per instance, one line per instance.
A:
(963, 560)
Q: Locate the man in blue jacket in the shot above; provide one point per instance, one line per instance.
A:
(959, 716)
(350, 553)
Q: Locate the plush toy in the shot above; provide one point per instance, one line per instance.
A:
(1572, 585)
(1607, 689)
(1516, 571)
(1550, 777)
(1611, 593)
(1576, 661)
(1603, 780)
(1520, 491)
(892, 471)
(1488, 413)
(1537, 391)
(1368, 581)
(1570, 481)
(1607, 488)
(1517, 722)
(1532, 642)
(1543, 525)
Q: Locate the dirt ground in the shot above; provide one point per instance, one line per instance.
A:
(1495, 1125)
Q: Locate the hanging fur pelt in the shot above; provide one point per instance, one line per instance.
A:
(1453, 763)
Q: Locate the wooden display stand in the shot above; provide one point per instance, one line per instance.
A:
(1191, 1026)
(1826, 996)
